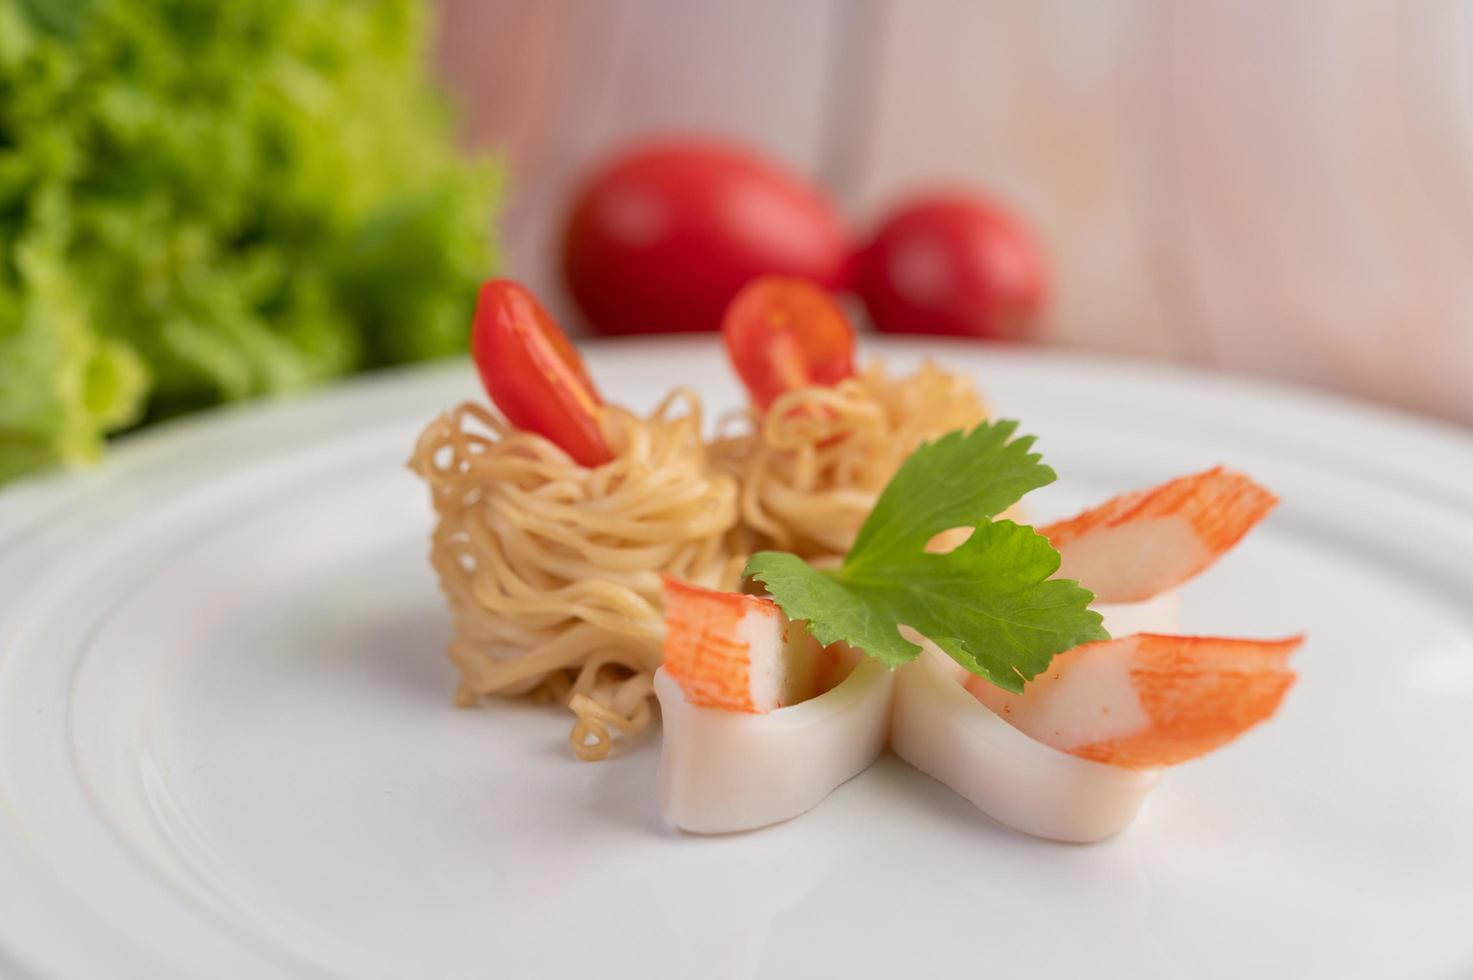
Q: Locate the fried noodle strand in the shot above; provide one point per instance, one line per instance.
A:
(815, 462)
(552, 570)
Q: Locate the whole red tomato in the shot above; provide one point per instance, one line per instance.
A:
(663, 237)
(954, 265)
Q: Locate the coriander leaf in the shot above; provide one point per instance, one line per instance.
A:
(990, 603)
(959, 480)
(834, 612)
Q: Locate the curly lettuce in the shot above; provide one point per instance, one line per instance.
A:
(207, 200)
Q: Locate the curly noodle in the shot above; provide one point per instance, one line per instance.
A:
(552, 570)
(818, 458)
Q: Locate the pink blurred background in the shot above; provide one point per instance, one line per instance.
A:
(1284, 189)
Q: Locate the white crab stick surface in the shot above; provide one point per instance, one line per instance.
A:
(1141, 544)
(723, 771)
(942, 730)
(1159, 615)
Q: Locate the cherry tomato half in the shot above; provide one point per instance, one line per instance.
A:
(662, 238)
(952, 265)
(534, 374)
(786, 333)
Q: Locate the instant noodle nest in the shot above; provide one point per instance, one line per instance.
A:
(552, 570)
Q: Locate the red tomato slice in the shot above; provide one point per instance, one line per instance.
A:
(534, 374)
(784, 334)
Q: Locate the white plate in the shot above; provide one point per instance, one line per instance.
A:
(227, 747)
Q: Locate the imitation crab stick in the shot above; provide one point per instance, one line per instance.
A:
(1148, 700)
(1075, 755)
(761, 724)
(1141, 544)
(942, 729)
(738, 652)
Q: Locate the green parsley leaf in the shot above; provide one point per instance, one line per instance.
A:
(959, 480)
(989, 603)
(834, 610)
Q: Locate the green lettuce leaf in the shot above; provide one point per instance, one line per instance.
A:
(202, 202)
